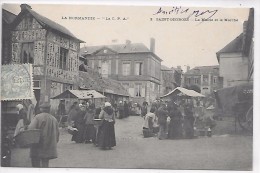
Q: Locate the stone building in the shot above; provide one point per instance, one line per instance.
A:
(206, 78)
(170, 79)
(51, 48)
(133, 64)
(236, 59)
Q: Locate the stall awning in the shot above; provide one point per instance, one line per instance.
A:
(183, 91)
(79, 94)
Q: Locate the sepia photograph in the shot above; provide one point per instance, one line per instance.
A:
(127, 86)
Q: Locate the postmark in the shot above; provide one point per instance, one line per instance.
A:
(16, 82)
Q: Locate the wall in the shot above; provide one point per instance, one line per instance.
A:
(233, 69)
(46, 54)
(251, 61)
(167, 81)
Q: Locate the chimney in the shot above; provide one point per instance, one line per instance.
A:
(179, 67)
(127, 42)
(25, 7)
(152, 45)
(188, 67)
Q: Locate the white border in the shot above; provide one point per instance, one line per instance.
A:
(195, 3)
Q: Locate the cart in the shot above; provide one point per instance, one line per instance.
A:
(238, 101)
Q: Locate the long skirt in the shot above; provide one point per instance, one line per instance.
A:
(175, 129)
(106, 135)
(79, 136)
(162, 131)
(90, 133)
(188, 128)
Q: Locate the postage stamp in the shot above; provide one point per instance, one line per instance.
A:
(16, 82)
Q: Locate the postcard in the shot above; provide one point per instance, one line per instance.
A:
(127, 87)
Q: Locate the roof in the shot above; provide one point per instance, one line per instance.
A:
(93, 80)
(45, 22)
(165, 68)
(203, 69)
(7, 16)
(235, 45)
(183, 91)
(118, 48)
(79, 94)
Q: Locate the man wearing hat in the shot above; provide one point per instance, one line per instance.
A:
(46, 149)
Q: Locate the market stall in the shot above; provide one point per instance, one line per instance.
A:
(203, 121)
(179, 91)
(81, 95)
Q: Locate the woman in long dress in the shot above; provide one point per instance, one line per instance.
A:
(149, 124)
(189, 119)
(76, 120)
(106, 137)
(175, 126)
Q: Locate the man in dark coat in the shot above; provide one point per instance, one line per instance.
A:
(46, 149)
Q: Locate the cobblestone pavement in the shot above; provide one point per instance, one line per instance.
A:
(223, 152)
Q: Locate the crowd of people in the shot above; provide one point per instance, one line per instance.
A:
(90, 125)
(169, 120)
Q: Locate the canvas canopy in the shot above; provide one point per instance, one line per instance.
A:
(227, 97)
(79, 94)
(182, 91)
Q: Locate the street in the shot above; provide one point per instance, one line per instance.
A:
(220, 152)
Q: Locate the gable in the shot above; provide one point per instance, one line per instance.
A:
(105, 51)
(28, 22)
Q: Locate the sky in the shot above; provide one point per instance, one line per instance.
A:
(178, 43)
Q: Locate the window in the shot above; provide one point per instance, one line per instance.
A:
(138, 68)
(36, 84)
(67, 87)
(188, 81)
(27, 53)
(104, 68)
(196, 80)
(138, 90)
(205, 78)
(63, 58)
(215, 79)
(156, 87)
(126, 68)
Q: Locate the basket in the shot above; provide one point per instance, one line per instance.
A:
(72, 130)
(28, 137)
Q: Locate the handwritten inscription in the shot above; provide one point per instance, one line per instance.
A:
(188, 12)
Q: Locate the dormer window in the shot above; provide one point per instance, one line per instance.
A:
(105, 51)
(27, 53)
